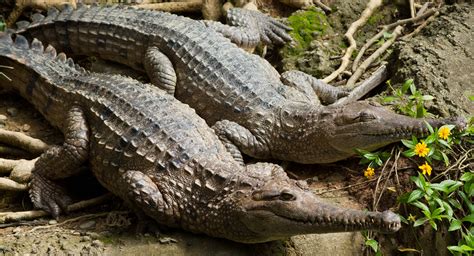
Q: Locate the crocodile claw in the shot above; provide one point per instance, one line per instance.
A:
(48, 196)
(272, 31)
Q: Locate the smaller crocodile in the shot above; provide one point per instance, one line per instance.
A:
(158, 155)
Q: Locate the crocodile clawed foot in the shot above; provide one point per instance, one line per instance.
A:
(272, 31)
(48, 196)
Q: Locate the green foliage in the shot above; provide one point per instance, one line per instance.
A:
(374, 159)
(408, 99)
(306, 26)
(372, 243)
(437, 146)
(449, 200)
(3, 26)
(385, 36)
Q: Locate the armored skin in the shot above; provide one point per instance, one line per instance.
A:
(253, 109)
(158, 155)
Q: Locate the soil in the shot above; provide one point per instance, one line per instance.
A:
(110, 229)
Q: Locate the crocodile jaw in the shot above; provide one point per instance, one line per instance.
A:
(309, 215)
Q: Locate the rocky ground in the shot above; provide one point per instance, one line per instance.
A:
(440, 59)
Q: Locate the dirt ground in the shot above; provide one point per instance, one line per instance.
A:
(110, 229)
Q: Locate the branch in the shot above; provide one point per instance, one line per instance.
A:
(23, 141)
(191, 6)
(361, 69)
(371, 6)
(28, 215)
(380, 75)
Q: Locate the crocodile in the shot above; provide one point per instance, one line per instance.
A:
(160, 157)
(253, 108)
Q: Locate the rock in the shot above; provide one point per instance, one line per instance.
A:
(52, 222)
(25, 127)
(86, 239)
(12, 112)
(97, 243)
(87, 225)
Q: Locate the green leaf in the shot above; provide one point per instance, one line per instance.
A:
(373, 244)
(455, 225)
(421, 206)
(462, 248)
(467, 176)
(445, 158)
(433, 224)
(430, 139)
(437, 212)
(439, 187)
(449, 210)
(407, 85)
(455, 203)
(389, 99)
(420, 222)
(412, 88)
(379, 161)
(430, 128)
(471, 98)
(408, 143)
(469, 218)
(370, 156)
(415, 195)
(444, 143)
(409, 153)
(427, 97)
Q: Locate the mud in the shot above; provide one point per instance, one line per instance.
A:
(440, 60)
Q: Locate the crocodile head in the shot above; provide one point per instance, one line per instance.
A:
(331, 133)
(277, 207)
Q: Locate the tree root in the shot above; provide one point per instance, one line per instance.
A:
(380, 75)
(420, 27)
(6, 217)
(10, 185)
(386, 28)
(361, 69)
(189, 6)
(25, 142)
(349, 35)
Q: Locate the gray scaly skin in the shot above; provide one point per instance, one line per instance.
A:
(160, 156)
(253, 109)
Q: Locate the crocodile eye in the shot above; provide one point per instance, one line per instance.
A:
(286, 195)
(265, 195)
(365, 117)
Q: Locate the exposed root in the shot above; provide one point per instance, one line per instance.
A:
(6, 217)
(3, 75)
(319, 4)
(412, 8)
(18, 139)
(392, 169)
(4, 150)
(10, 185)
(386, 28)
(420, 27)
(361, 69)
(189, 6)
(380, 75)
(349, 35)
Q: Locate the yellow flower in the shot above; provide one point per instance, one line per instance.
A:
(444, 132)
(426, 168)
(369, 173)
(421, 149)
(411, 217)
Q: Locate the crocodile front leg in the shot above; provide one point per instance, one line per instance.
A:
(238, 139)
(248, 28)
(60, 162)
(309, 85)
(160, 70)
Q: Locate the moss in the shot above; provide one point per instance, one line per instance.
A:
(307, 25)
(375, 19)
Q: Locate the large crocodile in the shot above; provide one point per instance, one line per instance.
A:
(254, 109)
(158, 155)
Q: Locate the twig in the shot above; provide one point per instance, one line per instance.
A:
(10, 185)
(374, 206)
(22, 141)
(361, 69)
(412, 8)
(346, 187)
(394, 167)
(386, 28)
(458, 165)
(191, 6)
(28, 215)
(420, 27)
(371, 6)
(380, 75)
(322, 6)
(82, 217)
